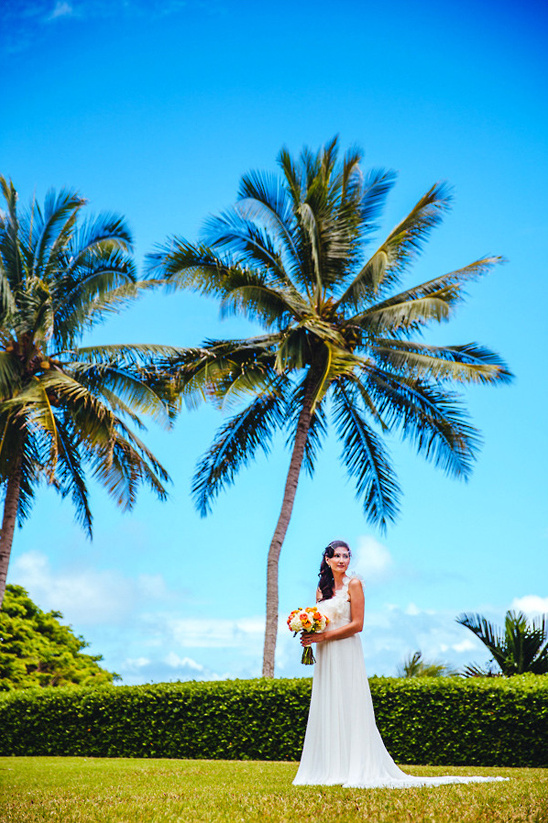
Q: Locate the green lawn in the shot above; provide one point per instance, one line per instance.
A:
(67, 790)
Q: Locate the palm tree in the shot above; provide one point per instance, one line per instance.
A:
(416, 666)
(520, 647)
(64, 408)
(291, 256)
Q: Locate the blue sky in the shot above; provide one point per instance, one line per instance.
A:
(155, 110)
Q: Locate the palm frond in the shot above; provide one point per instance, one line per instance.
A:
(121, 470)
(451, 284)
(411, 314)
(55, 256)
(103, 235)
(7, 299)
(89, 416)
(415, 666)
(127, 353)
(377, 185)
(104, 288)
(185, 265)
(10, 378)
(129, 384)
(239, 385)
(526, 645)
(403, 243)
(293, 181)
(365, 459)
(314, 245)
(433, 420)
(18, 446)
(121, 409)
(70, 473)
(53, 227)
(249, 245)
(293, 351)
(31, 474)
(42, 415)
(32, 406)
(473, 670)
(259, 303)
(358, 387)
(521, 647)
(144, 453)
(469, 363)
(236, 444)
(264, 198)
(486, 632)
(10, 249)
(210, 370)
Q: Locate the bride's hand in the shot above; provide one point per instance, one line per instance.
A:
(312, 637)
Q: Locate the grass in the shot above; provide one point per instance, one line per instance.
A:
(119, 790)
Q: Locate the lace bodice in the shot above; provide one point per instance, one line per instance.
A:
(337, 608)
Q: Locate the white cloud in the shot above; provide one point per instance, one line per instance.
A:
(171, 667)
(61, 9)
(177, 662)
(393, 633)
(214, 632)
(413, 610)
(372, 560)
(152, 586)
(465, 646)
(137, 663)
(530, 604)
(85, 595)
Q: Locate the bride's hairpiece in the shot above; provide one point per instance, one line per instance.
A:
(336, 544)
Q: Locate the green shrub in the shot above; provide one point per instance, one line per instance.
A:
(452, 721)
(434, 721)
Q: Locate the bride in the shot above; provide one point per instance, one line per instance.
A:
(342, 744)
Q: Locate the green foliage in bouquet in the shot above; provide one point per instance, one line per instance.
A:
(37, 650)
(429, 721)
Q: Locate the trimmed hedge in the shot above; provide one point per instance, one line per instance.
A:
(434, 721)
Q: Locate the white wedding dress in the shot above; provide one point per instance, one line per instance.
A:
(342, 744)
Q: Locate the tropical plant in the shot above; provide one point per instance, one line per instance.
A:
(415, 666)
(37, 650)
(64, 408)
(520, 647)
(291, 256)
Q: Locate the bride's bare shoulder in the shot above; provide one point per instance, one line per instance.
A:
(355, 584)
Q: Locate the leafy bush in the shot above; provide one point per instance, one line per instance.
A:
(485, 721)
(437, 721)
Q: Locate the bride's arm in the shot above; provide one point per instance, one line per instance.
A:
(357, 605)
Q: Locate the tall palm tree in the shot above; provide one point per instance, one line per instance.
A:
(65, 408)
(520, 647)
(292, 255)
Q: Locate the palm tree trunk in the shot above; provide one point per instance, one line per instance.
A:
(271, 628)
(9, 519)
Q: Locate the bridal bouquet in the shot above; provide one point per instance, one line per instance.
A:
(307, 620)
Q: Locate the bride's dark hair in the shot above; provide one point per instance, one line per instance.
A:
(326, 575)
